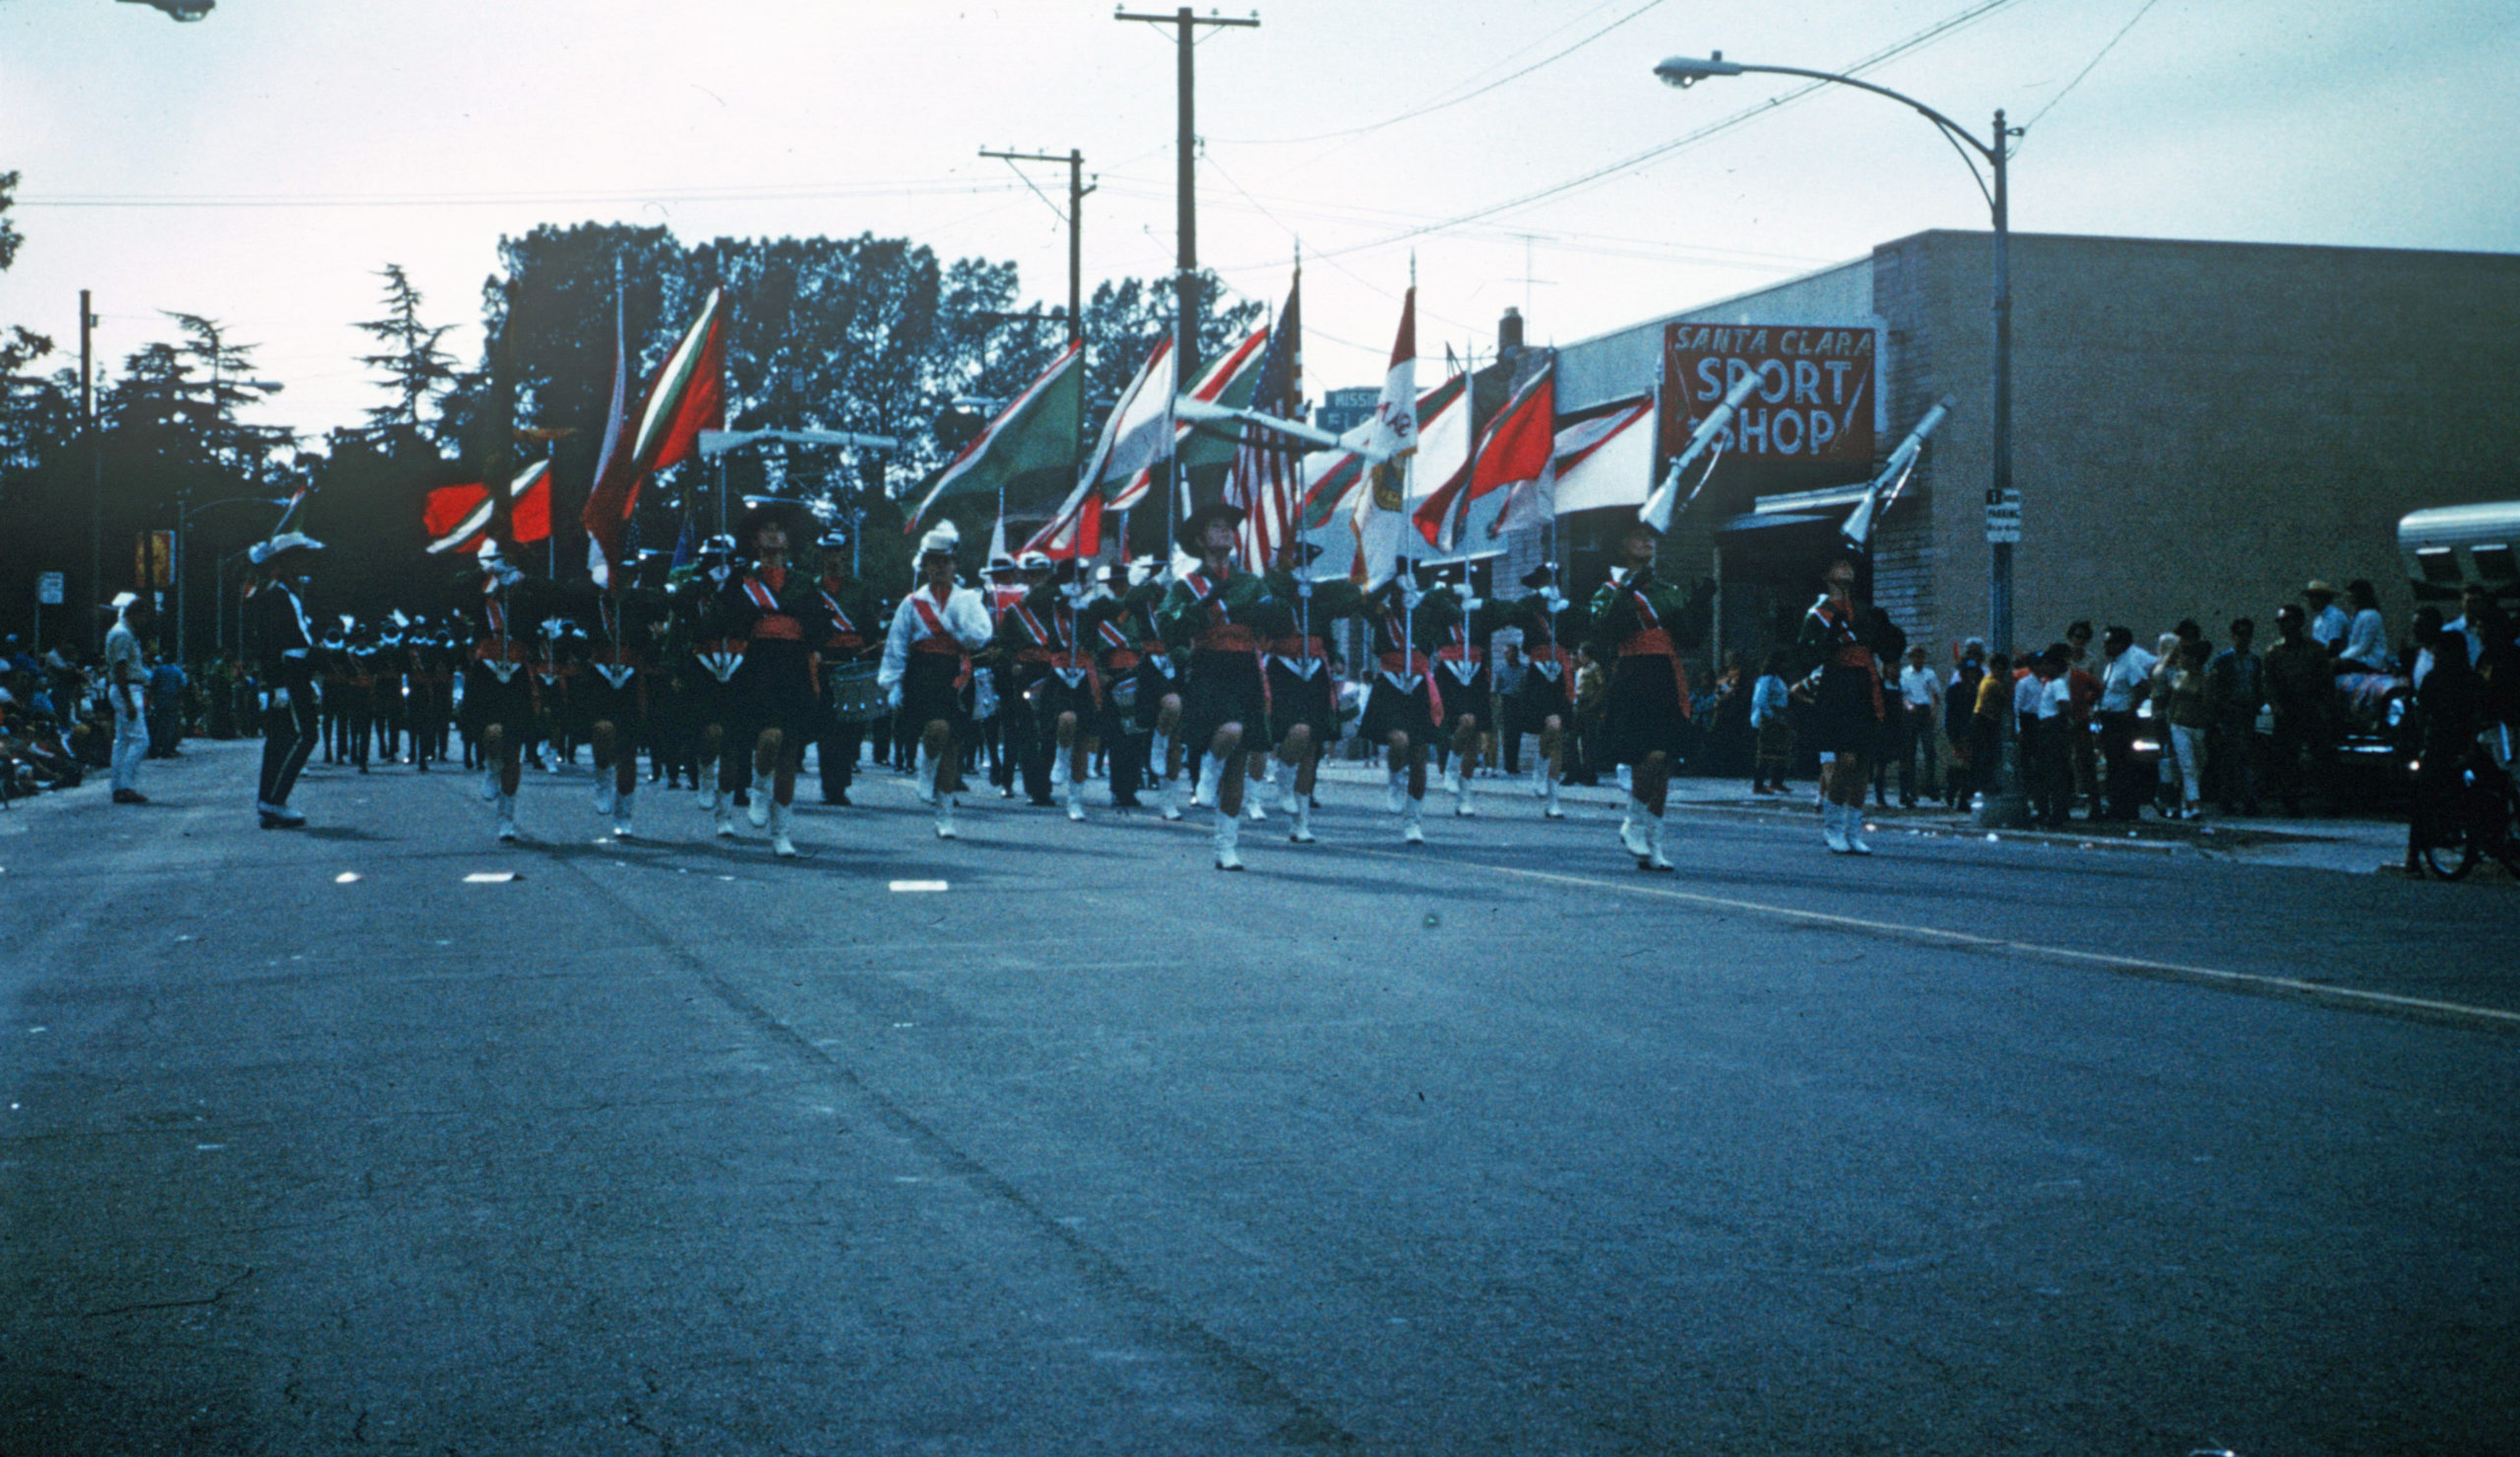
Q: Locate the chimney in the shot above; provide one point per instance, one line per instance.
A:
(1509, 332)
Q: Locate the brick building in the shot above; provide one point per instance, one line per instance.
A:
(2198, 428)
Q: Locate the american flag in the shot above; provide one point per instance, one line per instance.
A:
(1267, 482)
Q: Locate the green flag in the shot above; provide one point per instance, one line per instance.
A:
(1031, 445)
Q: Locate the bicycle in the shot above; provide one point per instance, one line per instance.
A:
(2483, 818)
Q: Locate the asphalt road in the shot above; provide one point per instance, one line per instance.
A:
(1497, 1145)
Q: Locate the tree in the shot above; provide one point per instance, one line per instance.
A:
(10, 237)
(417, 372)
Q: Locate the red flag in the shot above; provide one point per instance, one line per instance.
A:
(687, 396)
(1517, 448)
(1076, 530)
(530, 504)
(457, 517)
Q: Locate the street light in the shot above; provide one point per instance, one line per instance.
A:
(1684, 72)
(185, 511)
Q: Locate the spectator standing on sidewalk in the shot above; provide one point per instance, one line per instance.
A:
(2300, 688)
(1986, 725)
(2235, 692)
(2038, 701)
(2450, 714)
(2185, 710)
(1771, 727)
(1958, 714)
(168, 689)
(126, 686)
(2126, 681)
(1919, 703)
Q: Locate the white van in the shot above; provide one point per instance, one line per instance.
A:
(2446, 547)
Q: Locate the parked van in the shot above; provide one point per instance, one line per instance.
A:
(2446, 547)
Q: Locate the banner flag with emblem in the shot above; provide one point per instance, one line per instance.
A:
(1379, 521)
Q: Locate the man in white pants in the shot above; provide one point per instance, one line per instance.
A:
(127, 682)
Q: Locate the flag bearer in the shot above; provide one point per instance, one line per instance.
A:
(1403, 711)
(1303, 714)
(777, 612)
(854, 615)
(1638, 621)
(1547, 702)
(498, 682)
(1219, 614)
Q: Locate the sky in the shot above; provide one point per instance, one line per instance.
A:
(260, 165)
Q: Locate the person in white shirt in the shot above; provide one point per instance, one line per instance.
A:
(2328, 622)
(2469, 623)
(926, 661)
(1921, 699)
(127, 682)
(2039, 699)
(2125, 680)
(2366, 638)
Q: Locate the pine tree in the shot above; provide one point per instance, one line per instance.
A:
(417, 372)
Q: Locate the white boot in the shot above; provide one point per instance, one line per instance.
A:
(1541, 784)
(1412, 830)
(489, 784)
(1167, 798)
(1631, 832)
(604, 790)
(1288, 799)
(1551, 809)
(1854, 823)
(1075, 803)
(507, 817)
(622, 806)
(1255, 806)
(781, 815)
(1301, 834)
(926, 784)
(1203, 793)
(1229, 832)
(944, 815)
(1654, 860)
(1461, 796)
(758, 810)
(723, 810)
(1833, 829)
(1060, 772)
(1396, 792)
(1452, 776)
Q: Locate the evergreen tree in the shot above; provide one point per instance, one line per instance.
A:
(417, 372)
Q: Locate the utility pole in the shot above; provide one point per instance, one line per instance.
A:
(1075, 191)
(1185, 295)
(96, 462)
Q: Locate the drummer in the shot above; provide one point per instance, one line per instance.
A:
(848, 661)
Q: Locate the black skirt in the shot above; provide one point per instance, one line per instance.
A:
(929, 695)
(1845, 713)
(1297, 700)
(775, 689)
(1154, 684)
(1390, 711)
(488, 701)
(1528, 707)
(596, 700)
(1225, 688)
(1469, 695)
(1644, 711)
(1054, 695)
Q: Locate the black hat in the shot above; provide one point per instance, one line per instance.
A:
(1194, 527)
(1542, 575)
(788, 515)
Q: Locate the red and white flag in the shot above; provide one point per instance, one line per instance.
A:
(1512, 453)
(687, 396)
(1381, 521)
(1604, 457)
(456, 518)
(530, 504)
(1076, 528)
(1267, 482)
(1138, 433)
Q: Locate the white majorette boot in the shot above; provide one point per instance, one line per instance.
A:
(780, 816)
(1301, 834)
(925, 784)
(1833, 829)
(1167, 798)
(1412, 830)
(1075, 803)
(622, 806)
(944, 815)
(489, 784)
(1203, 793)
(1288, 799)
(1549, 797)
(1229, 832)
(1854, 823)
(1631, 832)
(758, 811)
(1255, 806)
(507, 817)
(1539, 778)
(1461, 796)
(1654, 860)
(1396, 791)
(604, 790)
(723, 810)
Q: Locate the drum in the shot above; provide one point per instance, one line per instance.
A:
(854, 698)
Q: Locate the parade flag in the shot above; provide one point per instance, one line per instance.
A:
(1032, 437)
(530, 504)
(1268, 469)
(1228, 380)
(456, 518)
(687, 396)
(1379, 521)
(1138, 432)
(1603, 458)
(1076, 528)
(1513, 452)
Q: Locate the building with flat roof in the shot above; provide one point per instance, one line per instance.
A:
(2198, 428)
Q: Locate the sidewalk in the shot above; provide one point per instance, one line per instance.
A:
(2359, 847)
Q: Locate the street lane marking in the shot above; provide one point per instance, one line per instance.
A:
(919, 886)
(489, 877)
(2384, 1003)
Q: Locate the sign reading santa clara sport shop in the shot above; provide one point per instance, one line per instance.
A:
(1814, 399)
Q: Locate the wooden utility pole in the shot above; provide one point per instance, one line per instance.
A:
(96, 464)
(1185, 337)
(1075, 191)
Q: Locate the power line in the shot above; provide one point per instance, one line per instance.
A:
(768, 192)
(2145, 10)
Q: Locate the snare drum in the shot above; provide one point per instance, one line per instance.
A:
(854, 698)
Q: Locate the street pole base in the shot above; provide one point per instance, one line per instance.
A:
(2000, 812)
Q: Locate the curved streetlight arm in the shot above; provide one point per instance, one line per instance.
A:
(1688, 71)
